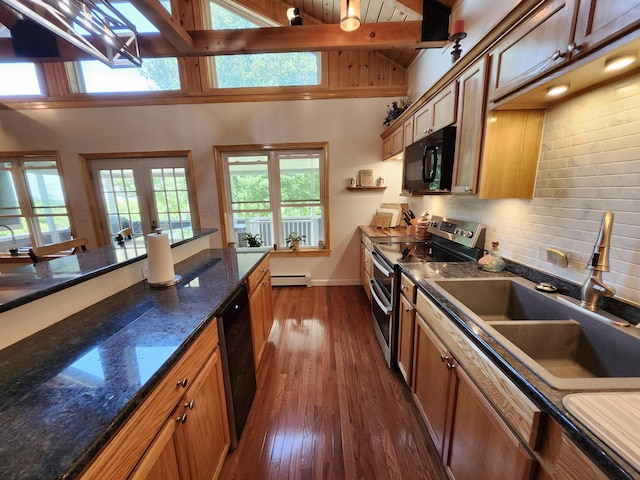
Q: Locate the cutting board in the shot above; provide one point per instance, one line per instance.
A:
(397, 208)
(613, 417)
(381, 220)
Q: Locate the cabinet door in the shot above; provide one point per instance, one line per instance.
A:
(160, 462)
(431, 381)
(406, 327)
(423, 121)
(205, 429)
(444, 107)
(267, 305)
(480, 444)
(536, 46)
(408, 132)
(472, 88)
(256, 306)
(599, 20)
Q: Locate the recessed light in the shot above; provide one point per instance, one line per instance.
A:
(557, 89)
(618, 63)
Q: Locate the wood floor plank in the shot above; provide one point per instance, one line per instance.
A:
(327, 406)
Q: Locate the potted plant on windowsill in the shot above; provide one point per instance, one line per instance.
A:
(253, 239)
(293, 240)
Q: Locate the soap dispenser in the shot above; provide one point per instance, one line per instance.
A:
(493, 262)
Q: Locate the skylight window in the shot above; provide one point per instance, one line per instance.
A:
(19, 79)
(259, 70)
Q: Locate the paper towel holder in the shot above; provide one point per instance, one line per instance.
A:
(176, 280)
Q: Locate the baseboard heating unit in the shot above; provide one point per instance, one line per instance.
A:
(291, 280)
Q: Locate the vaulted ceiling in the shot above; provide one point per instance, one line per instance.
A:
(391, 28)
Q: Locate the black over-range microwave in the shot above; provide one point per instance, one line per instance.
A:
(428, 163)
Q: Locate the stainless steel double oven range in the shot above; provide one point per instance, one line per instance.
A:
(451, 241)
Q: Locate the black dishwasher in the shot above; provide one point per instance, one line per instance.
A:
(236, 348)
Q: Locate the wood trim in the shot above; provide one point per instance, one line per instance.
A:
(218, 150)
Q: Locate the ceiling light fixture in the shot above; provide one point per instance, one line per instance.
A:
(557, 90)
(293, 14)
(619, 62)
(349, 15)
(93, 26)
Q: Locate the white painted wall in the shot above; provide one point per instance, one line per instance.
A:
(352, 127)
(589, 164)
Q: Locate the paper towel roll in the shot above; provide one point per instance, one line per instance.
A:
(160, 261)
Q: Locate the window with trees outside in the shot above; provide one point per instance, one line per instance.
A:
(33, 209)
(275, 192)
(257, 70)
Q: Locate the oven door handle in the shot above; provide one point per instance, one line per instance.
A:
(378, 296)
(380, 264)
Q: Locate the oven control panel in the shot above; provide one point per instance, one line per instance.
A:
(469, 234)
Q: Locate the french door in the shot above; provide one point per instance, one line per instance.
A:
(143, 194)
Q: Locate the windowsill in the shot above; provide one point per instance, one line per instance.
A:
(304, 252)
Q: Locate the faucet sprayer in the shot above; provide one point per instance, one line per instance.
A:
(593, 288)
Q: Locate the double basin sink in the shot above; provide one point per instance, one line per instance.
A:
(568, 347)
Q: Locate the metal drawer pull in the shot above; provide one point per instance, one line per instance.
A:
(190, 404)
(183, 383)
(450, 366)
(182, 418)
(443, 358)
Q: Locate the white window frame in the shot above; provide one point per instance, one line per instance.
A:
(273, 152)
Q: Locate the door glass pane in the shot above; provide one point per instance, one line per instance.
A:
(172, 201)
(122, 207)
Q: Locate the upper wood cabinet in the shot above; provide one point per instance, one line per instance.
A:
(600, 20)
(408, 132)
(472, 88)
(394, 143)
(535, 46)
(436, 113)
(510, 154)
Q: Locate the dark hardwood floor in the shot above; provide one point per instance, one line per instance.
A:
(327, 406)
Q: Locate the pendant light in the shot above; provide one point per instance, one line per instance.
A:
(349, 15)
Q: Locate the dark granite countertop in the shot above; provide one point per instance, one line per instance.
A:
(548, 399)
(25, 284)
(66, 389)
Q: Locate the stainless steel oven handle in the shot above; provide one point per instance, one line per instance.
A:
(381, 265)
(378, 296)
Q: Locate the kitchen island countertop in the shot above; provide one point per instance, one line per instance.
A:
(66, 389)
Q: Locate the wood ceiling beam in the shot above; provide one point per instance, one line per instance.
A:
(169, 27)
(370, 36)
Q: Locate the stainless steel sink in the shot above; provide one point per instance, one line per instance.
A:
(568, 347)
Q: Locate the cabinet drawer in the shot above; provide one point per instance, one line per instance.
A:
(255, 277)
(366, 241)
(126, 447)
(408, 288)
(521, 414)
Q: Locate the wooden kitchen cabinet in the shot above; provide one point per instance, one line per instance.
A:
(480, 444)
(537, 45)
(408, 132)
(438, 112)
(406, 326)
(261, 307)
(510, 153)
(601, 20)
(365, 263)
(394, 143)
(432, 382)
(457, 389)
(152, 444)
(193, 443)
(472, 88)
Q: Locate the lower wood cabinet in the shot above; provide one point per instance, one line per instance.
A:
(181, 430)
(472, 437)
(406, 325)
(261, 307)
(365, 263)
(194, 440)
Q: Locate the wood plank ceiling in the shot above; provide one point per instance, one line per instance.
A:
(380, 31)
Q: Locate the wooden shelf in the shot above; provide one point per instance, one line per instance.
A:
(367, 188)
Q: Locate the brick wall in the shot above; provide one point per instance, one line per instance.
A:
(589, 163)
